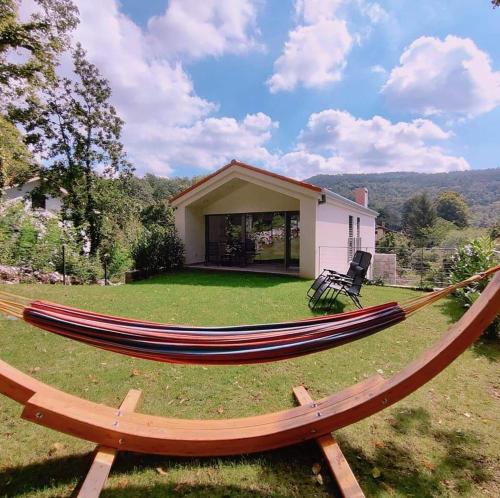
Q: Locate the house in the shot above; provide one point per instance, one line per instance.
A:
(381, 231)
(31, 197)
(243, 216)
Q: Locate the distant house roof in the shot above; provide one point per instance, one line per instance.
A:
(234, 163)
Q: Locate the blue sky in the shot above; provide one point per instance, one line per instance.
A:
(301, 87)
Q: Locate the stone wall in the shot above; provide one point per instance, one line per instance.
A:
(384, 268)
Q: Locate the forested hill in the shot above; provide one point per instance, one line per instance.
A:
(480, 189)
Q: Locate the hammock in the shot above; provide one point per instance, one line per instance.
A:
(218, 345)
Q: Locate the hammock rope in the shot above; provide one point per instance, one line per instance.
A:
(219, 345)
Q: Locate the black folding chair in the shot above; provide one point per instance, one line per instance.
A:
(330, 284)
(320, 280)
(349, 287)
(361, 259)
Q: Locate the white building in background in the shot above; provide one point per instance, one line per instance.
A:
(32, 199)
(243, 216)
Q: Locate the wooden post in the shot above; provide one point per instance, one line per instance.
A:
(104, 457)
(339, 466)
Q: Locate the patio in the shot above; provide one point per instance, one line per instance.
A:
(263, 268)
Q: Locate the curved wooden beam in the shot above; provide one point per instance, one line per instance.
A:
(108, 426)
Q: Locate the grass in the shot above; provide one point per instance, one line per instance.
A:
(440, 441)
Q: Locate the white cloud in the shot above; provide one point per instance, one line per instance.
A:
(450, 76)
(313, 11)
(313, 55)
(316, 51)
(378, 69)
(301, 164)
(208, 27)
(374, 11)
(145, 89)
(208, 143)
(167, 123)
(335, 141)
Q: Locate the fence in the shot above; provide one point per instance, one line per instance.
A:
(420, 267)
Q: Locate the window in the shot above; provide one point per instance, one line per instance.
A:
(357, 242)
(38, 200)
(350, 240)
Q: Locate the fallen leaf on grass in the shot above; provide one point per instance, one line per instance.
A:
(161, 471)
(220, 410)
(93, 379)
(376, 473)
(183, 400)
(34, 370)
(135, 373)
(319, 479)
(388, 488)
(122, 483)
(316, 468)
(56, 448)
(378, 444)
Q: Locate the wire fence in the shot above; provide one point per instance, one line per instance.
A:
(423, 267)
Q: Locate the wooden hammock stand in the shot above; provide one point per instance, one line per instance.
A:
(124, 430)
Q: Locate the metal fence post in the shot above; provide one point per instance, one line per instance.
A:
(64, 263)
(105, 262)
(422, 268)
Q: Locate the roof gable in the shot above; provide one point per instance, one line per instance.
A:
(235, 163)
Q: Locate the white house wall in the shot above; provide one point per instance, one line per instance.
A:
(248, 197)
(251, 198)
(332, 233)
(14, 194)
(308, 228)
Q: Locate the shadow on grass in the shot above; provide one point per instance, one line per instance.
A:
(40, 475)
(489, 348)
(285, 472)
(401, 473)
(218, 279)
(484, 346)
(452, 309)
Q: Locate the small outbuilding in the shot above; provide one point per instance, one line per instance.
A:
(246, 217)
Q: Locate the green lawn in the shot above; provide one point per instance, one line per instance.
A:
(441, 441)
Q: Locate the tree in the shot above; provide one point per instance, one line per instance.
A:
(16, 162)
(36, 44)
(159, 213)
(496, 3)
(418, 214)
(164, 188)
(77, 131)
(451, 206)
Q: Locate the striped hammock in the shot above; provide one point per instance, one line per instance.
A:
(218, 345)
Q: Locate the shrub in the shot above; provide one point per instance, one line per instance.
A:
(118, 261)
(475, 257)
(86, 268)
(48, 247)
(157, 249)
(35, 240)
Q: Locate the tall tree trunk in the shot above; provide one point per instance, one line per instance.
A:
(90, 214)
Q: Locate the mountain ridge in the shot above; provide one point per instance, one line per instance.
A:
(389, 191)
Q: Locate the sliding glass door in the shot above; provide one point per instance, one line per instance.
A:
(271, 238)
